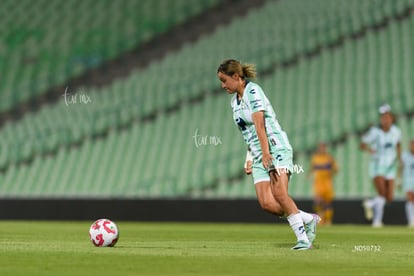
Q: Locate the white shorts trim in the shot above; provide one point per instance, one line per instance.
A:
(264, 179)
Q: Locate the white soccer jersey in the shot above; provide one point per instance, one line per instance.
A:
(255, 100)
(408, 173)
(384, 144)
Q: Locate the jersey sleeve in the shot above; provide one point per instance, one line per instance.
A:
(404, 157)
(369, 137)
(398, 135)
(256, 98)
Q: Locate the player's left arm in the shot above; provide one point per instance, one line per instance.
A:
(399, 151)
(399, 160)
(334, 166)
(367, 139)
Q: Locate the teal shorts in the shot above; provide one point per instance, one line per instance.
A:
(388, 172)
(282, 161)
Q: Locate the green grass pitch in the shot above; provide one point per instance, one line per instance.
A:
(63, 248)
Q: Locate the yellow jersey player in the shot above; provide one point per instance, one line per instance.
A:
(323, 168)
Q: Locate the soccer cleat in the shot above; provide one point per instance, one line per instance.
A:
(310, 227)
(367, 210)
(302, 245)
(377, 225)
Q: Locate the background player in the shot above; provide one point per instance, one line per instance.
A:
(408, 182)
(323, 169)
(270, 148)
(383, 143)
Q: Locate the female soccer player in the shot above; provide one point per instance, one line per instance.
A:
(324, 168)
(408, 182)
(383, 143)
(269, 146)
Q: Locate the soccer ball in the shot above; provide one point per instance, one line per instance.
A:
(103, 232)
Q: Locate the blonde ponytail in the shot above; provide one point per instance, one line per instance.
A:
(249, 71)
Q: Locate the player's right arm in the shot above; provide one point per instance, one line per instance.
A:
(366, 147)
(367, 139)
(401, 165)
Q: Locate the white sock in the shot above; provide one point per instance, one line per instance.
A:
(296, 222)
(409, 210)
(371, 202)
(378, 210)
(306, 217)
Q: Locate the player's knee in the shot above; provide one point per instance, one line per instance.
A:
(266, 205)
(280, 195)
(270, 207)
(279, 190)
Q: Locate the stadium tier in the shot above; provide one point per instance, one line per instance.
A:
(175, 155)
(339, 91)
(164, 132)
(307, 86)
(44, 43)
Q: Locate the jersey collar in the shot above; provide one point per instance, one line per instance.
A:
(237, 98)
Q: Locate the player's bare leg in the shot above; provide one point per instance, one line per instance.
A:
(279, 186)
(372, 207)
(328, 212)
(379, 183)
(389, 190)
(379, 201)
(269, 204)
(318, 207)
(267, 200)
